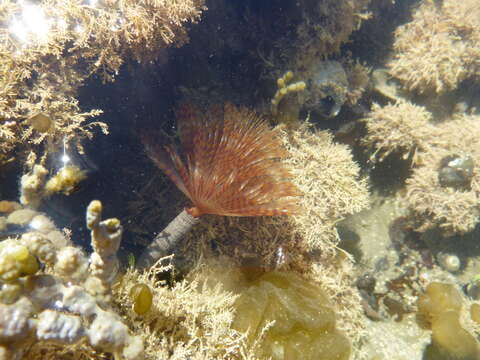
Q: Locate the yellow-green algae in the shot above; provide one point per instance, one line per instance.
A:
(440, 306)
(296, 316)
(475, 312)
(16, 261)
(65, 180)
(141, 297)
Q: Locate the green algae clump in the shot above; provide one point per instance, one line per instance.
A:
(293, 318)
(440, 306)
(475, 312)
(141, 297)
(16, 261)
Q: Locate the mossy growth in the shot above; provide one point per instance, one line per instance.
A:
(221, 311)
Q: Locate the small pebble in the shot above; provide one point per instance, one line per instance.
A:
(449, 262)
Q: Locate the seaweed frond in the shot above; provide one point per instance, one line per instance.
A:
(230, 163)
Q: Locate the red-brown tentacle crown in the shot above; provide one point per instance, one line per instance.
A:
(229, 163)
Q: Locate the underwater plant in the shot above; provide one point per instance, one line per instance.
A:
(48, 50)
(229, 164)
(429, 56)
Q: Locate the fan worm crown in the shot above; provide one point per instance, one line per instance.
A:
(229, 163)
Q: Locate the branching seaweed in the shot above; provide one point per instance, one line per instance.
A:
(49, 49)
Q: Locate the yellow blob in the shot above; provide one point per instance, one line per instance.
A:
(65, 180)
(20, 253)
(142, 297)
(112, 224)
(9, 206)
(453, 338)
(304, 320)
(441, 306)
(475, 313)
(16, 261)
(288, 76)
(439, 298)
(95, 206)
(299, 86)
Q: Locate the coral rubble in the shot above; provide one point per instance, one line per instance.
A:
(63, 301)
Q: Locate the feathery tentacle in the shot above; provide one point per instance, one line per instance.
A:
(229, 163)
